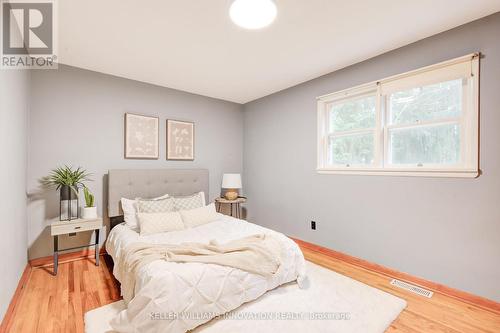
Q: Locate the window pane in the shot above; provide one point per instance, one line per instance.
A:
(426, 145)
(351, 114)
(435, 101)
(351, 149)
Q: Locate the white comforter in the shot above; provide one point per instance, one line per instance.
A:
(177, 297)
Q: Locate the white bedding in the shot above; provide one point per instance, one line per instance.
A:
(177, 297)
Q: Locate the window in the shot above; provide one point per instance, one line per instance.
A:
(424, 122)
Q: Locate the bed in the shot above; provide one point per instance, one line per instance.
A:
(177, 297)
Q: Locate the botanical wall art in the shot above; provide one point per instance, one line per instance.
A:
(141, 136)
(180, 140)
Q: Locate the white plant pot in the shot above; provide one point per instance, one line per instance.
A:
(89, 213)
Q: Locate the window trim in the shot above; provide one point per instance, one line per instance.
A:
(469, 121)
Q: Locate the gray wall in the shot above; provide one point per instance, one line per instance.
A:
(444, 230)
(14, 97)
(77, 119)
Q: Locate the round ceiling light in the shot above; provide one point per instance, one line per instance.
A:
(253, 14)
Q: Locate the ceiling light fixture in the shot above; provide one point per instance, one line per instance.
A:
(253, 14)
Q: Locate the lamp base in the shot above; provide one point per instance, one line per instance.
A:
(231, 195)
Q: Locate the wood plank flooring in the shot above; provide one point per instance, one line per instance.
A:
(440, 313)
(57, 303)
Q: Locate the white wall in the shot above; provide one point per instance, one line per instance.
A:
(445, 230)
(14, 104)
(77, 119)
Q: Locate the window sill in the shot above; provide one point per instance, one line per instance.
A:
(400, 172)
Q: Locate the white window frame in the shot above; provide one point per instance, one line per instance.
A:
(468, 120)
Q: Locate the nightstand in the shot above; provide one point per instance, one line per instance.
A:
(68, 227)
(237, 203)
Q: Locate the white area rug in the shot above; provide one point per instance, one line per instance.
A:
(330, 302)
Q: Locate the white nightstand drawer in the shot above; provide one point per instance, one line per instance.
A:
(76, 226)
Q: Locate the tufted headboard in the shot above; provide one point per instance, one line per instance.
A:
(149, 183)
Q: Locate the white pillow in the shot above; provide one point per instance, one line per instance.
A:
(152, 223)
(196, 200)
(199, 216)
(129, 208)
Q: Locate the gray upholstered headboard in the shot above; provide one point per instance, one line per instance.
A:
(149, 183)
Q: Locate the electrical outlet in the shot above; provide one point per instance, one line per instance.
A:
(313, 225)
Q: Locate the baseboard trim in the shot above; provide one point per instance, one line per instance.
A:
(65, 257)
(463, 296)
(7, 319)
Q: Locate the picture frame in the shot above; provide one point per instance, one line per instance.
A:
(180, 140)
(142, 137)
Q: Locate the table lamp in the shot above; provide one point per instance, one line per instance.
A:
(231, 182)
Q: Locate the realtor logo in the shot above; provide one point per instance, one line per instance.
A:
(28, 39)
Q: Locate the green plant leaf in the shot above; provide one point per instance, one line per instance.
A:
(66, 176)
(89, 197)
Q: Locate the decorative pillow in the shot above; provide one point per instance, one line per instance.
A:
(152, 223)
(155, 206)
(196, 200)
(199, 216)
(129, 208)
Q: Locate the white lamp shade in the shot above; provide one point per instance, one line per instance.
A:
(231, 180)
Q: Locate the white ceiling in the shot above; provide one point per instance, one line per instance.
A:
(192, 45)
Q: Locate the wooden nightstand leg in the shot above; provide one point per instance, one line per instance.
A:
(56, 254)
(97, 247)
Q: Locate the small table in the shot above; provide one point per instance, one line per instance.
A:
(237, 203)
(68, 227)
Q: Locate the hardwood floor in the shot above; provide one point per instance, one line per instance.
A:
(57, 303)
(439, 314)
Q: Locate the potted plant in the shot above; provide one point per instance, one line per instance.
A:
(67, 181)
(90, 210)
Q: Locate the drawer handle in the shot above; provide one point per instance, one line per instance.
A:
(77, 228)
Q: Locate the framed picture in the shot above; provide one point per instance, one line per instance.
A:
(141, 136)
(180, 140)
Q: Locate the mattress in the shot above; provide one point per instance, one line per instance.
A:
(177, 297)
